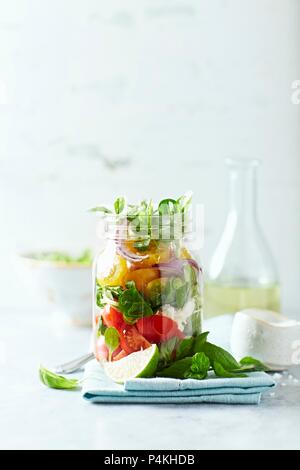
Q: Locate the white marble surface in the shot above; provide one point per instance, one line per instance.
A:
(34, 417)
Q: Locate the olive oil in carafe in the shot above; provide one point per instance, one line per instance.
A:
(221, 299)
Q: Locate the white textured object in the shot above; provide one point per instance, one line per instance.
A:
(268, 336)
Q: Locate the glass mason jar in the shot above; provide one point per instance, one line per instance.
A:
(147, 285)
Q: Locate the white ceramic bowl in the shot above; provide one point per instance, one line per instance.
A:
(268, 336)
(66, 286)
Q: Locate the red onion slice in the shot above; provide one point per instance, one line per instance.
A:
(177, 265)
(129, 255)
(194, 263)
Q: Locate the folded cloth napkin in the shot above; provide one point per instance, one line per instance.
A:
(98, 388)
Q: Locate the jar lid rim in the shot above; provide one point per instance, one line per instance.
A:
(156, 227)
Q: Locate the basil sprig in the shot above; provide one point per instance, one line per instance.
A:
(194, 357)
(140, 216)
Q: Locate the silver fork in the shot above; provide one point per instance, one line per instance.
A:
(73, 366)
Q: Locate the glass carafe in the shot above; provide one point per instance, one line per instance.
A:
(242, 272)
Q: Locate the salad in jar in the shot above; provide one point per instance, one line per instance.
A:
(147, 283)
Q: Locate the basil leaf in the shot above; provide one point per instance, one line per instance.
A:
(132, 212)
(173, 291)
(167, 350)
(103, 209)
(142, 245)
(133, 305)
(52, 380)
(108, 295)
(185, 348)
(149, 214)
(183, 204)
(177, 370)
(168, 207)
(101, 327)
(112, 339)
(119, 205)
(220, 371)
(190, 274)
(248, 363)
(181, 295)
(143, 221)
(219, 355)
(200, 363)
(200, 340)
(184, 201)
(168, 292)
(199, 367)
(195, 323)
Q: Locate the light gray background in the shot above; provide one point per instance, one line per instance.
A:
(145, 97)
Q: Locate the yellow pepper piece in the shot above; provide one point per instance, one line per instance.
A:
(142, 277)
(117, 274)
(157, 252)
(185, 254)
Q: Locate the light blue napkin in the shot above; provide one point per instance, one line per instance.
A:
(98, 388)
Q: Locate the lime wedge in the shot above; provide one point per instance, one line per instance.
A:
(137, 364)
